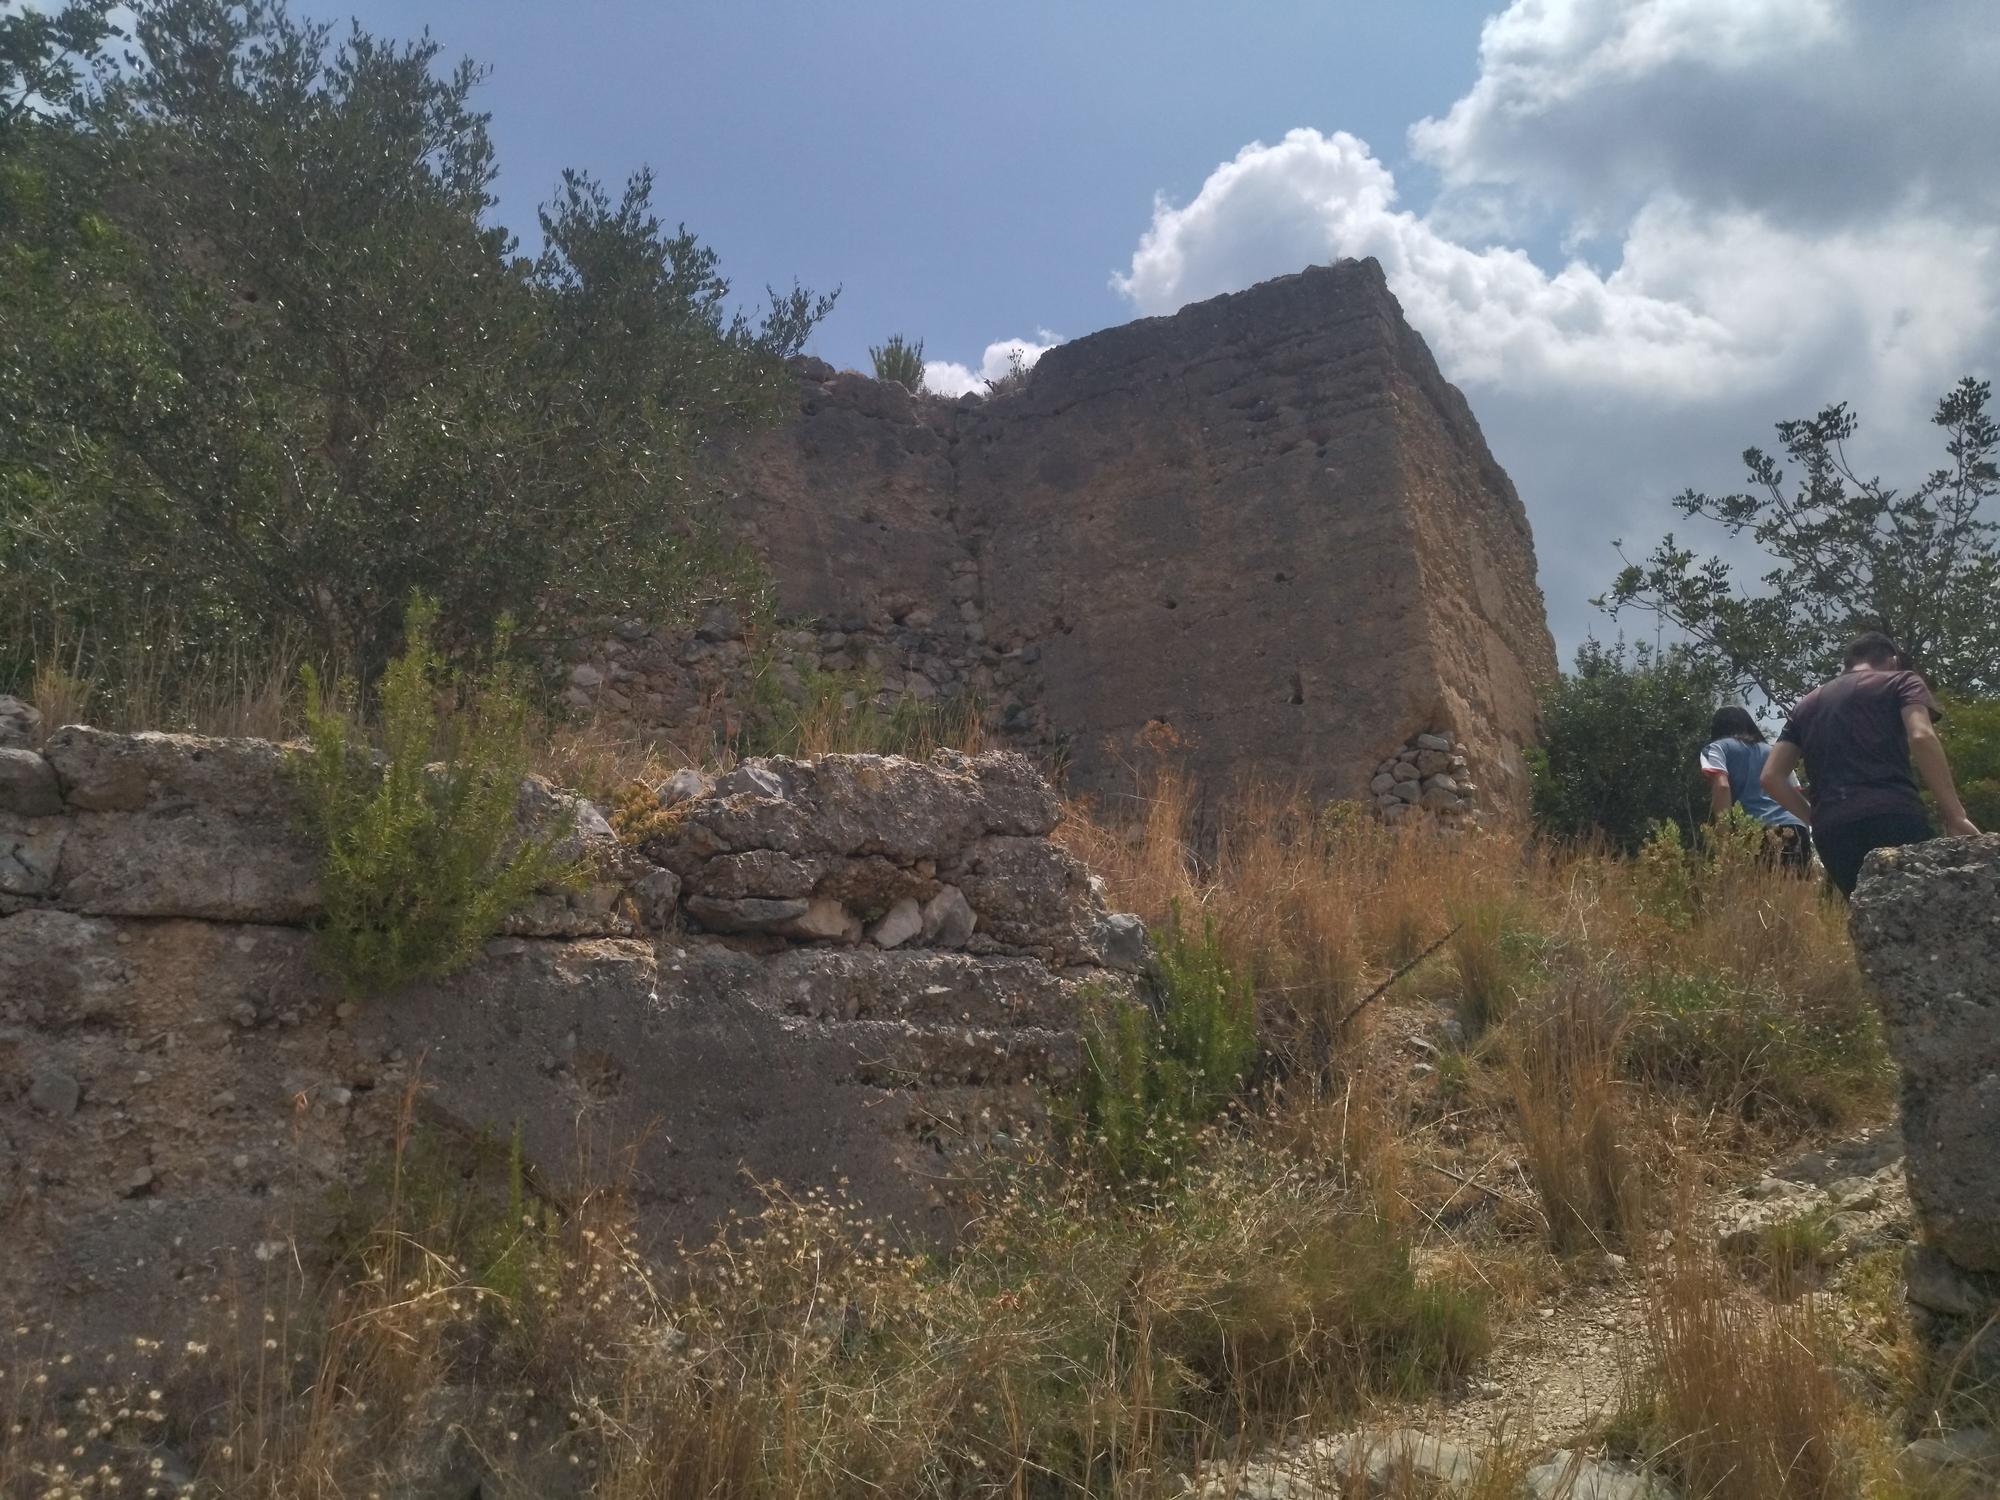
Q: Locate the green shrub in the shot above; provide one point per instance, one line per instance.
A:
(899, 360)
(1620, 736)
(1970, 730)
(421, 856)
(1153, 1078)
(1751, 1047)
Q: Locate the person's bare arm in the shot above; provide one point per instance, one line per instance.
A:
(1927, 751)
(1778, 784)
(1719, 795)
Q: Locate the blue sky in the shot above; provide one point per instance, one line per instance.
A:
(961, 171)
(1636, 232)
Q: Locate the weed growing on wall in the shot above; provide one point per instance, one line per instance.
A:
(421, 854)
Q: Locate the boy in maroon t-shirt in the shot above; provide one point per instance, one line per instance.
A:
(1858, 735)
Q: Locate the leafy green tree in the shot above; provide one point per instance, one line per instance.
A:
(46, 55)
(276, 369)
(899, 360)
(1849, 554)
(1620, 737)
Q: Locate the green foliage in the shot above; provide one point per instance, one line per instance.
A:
(1153, 1078)
(1621, 735)
(899, 360)
(270, 367)
(422, 857)
(1751, 1048)
(1793, 1251)
(1848, 554)
(44, 56)
(1971, 734)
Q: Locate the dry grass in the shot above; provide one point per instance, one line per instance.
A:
(1720, 983)
(1076, 1344)
(237, 693)
(1572, 1114)
(1741, 1401)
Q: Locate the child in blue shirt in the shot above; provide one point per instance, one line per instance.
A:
(1733, 760)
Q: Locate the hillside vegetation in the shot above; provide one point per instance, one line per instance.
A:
(270, 365)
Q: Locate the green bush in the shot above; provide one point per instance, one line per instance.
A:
(1752, 1048)
(1620, 738)
(1970, 730)
(421, 856)
(899, 360)
(1153, 1077)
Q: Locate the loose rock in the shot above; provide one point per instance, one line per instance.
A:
(20, 723)
(898, 925)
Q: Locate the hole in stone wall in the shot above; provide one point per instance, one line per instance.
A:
(1298, 688)
(1281, 578)
(1170, 604)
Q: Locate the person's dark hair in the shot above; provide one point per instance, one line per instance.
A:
(1734, 721)
(1874, 648)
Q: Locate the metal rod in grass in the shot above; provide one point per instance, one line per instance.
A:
(1383, 988)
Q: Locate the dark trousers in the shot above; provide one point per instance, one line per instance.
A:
(1843, 847)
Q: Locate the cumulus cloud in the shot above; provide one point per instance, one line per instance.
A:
(1809, 110)
(1701, 298)
(1786, 203)
(949, 378)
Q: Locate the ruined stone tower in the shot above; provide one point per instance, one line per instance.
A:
(1264, 528)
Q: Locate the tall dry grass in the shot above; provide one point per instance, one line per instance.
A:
(239, 692)
(1724, 981)
(1075, 1344)
(1741, 1401)
(1574, 1117)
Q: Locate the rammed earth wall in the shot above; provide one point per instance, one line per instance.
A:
(1266, 523)
(856, 969)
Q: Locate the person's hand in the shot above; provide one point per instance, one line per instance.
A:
(1961, 827)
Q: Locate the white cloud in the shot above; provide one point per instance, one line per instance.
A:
(1702, 298)
(1790, 202)
(946, 377)
(1806, 109)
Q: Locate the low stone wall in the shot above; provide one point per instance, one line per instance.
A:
(1927, 924)
(855, 970)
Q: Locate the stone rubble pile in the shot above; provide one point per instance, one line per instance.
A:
(1855, 1189)
(1429, 775)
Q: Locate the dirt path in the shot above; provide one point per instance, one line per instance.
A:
(1557, 1374)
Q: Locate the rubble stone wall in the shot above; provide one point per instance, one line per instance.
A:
(859, 968)
(1265, 524)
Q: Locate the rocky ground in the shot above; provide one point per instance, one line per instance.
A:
(1534, 1422)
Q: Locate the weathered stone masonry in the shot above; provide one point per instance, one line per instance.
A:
(856, 968)
(1266, 522)
(1927, 926)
